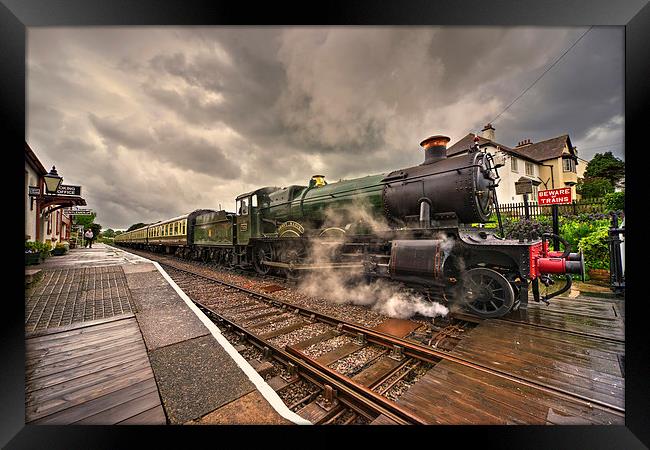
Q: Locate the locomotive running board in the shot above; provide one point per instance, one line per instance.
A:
(313, 266)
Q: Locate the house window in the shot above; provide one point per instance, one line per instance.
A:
(513, 164)
(530, 169)
(568, 165)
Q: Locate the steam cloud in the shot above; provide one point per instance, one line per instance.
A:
(345, 286)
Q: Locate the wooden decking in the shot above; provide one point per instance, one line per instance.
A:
(90, 373)
(568, 356)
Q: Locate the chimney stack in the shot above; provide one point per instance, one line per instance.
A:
(435, 148)
(488, 132)
(524, 142)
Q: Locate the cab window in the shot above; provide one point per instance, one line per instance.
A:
(242, 208)
(254, 201)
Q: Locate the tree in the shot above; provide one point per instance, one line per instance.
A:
(594, 187)
(86, 220)
(606, 166)
(136, 226)
(97, 228)
(109, 233)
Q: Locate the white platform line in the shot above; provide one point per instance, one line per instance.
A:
(262, 386)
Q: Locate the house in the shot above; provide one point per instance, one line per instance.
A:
(45, 217)
(550, 164)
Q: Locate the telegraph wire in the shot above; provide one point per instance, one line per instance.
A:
(540, 77)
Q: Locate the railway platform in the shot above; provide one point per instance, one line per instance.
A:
(109, 339)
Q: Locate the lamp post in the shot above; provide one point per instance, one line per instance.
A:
(52, 181)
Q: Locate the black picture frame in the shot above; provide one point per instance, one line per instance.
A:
(17, 15)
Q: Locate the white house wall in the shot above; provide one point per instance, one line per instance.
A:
(506, 190)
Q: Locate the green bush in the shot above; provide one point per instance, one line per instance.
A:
(595, 247)
(37, 247)
(573, 230)
(615, 201)
(526, 228)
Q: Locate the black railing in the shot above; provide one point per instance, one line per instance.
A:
(518, 210)
(616, 269)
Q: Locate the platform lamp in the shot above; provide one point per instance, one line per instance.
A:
(52, 181)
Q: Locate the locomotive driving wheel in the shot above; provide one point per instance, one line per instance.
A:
(263, 252)
(293, 255)
(488, 293)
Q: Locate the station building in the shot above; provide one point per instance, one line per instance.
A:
(550, 164)
(46, 219)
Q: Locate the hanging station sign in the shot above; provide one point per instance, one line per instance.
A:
(79, 212)
(67, 189)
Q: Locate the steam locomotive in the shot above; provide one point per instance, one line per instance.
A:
(410, 225)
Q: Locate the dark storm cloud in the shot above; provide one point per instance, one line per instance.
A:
(247, 87)
(575, 97)
(169, 144)
(155, 122)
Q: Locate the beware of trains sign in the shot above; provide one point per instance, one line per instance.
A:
(554, 196)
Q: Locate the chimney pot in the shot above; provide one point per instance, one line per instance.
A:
(488, 132)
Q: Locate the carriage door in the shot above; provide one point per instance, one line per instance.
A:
(243, 220)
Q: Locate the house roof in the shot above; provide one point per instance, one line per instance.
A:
(548, 149)
(33, 161)
(538, 152)
(465, 143)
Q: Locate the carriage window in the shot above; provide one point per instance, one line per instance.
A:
(254, 201)
(175, 227)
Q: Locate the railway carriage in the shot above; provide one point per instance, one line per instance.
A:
(409, 225)
(169, 233)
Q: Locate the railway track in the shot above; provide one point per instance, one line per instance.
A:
(355, 380)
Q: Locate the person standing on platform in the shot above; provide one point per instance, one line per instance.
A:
(89, 238)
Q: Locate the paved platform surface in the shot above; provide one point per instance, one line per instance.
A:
(109, 341)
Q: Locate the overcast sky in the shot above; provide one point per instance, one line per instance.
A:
(154, 122)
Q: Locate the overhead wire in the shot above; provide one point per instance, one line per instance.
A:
(542, 75)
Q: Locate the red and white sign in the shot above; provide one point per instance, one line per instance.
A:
(554, 196)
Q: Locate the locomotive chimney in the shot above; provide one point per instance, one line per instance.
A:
(435, 148)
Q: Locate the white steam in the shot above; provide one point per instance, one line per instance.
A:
(347, 286)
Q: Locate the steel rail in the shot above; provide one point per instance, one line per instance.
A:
(358, 394)
(403, 413)
(419, 351)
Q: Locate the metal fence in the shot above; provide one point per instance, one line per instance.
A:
(592, 205)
